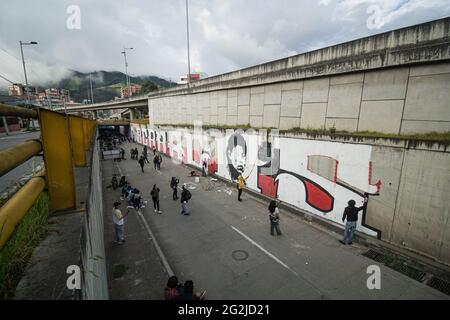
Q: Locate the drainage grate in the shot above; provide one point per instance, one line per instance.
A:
(395, 264)
(407, 270)
(371, 254)
(401, 266)
(439, 284)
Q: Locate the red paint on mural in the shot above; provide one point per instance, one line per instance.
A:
(196, 156)
(268, 185)
(318, 198)
(212, 167)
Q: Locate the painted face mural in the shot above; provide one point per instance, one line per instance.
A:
(236, 155)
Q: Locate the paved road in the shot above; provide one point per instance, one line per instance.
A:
(8, 180)
(225, 247)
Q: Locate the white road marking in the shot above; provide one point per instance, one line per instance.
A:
(264, 250)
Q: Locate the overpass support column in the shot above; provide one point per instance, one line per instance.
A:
(132, 114)
(5, 124)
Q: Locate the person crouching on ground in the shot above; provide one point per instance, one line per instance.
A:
(274, 215)
(173, 290)
(351, 214)
(188, 292)
(118, 219)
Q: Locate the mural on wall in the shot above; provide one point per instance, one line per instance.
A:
(210, 154)
(317, 176)
(236, 155)
(268, 182)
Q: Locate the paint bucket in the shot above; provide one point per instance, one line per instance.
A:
(197, 179)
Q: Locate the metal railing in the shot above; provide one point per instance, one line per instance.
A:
(64, 142)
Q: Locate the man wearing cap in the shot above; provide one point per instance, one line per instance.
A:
(118, 219)
(351, 214)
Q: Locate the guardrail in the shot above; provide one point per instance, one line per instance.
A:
(64, 142)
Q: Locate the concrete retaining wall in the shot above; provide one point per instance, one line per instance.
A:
(400, 100)
(408, 184)
(395, 82)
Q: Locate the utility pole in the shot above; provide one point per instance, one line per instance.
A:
(27, 92)
(187, 35)
(92, 92)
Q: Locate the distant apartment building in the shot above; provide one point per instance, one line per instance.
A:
(194, 77)
(54, 98)
(133, 89)
(18, 90)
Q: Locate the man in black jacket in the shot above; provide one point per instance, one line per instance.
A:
(351, 214)
(185, 197)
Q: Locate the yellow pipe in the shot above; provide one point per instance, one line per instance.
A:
(13, 111)
(18, 154)
(12, 212)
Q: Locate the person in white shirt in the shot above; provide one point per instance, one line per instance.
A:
(118, 219)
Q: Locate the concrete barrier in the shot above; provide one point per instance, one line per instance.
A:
(94, 280)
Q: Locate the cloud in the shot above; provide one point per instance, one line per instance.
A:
(224, 35)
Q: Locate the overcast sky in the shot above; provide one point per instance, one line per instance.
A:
(225, 35)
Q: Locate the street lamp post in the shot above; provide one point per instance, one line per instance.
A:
(27, 92)
(124, 52)
(187, 36)
(24, 69)
(92, 92)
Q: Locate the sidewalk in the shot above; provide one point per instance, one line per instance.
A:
(225, 247)
(145, 276)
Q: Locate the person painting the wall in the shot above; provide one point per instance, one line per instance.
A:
(351, 214)
(237, 160)
(240, 185)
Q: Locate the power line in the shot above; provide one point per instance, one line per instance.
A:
(4, 50)
(6, 79)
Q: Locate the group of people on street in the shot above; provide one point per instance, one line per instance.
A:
(177, 291)
(157, 160)
(134, 153)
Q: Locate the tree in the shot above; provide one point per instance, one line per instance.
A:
(148, 86)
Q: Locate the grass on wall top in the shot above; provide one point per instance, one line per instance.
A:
(440, 137)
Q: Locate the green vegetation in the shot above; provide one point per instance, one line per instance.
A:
(18, 249)
(119, 270)
(431, 136)
(440, 137)
(106, 85)
(148, 86)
